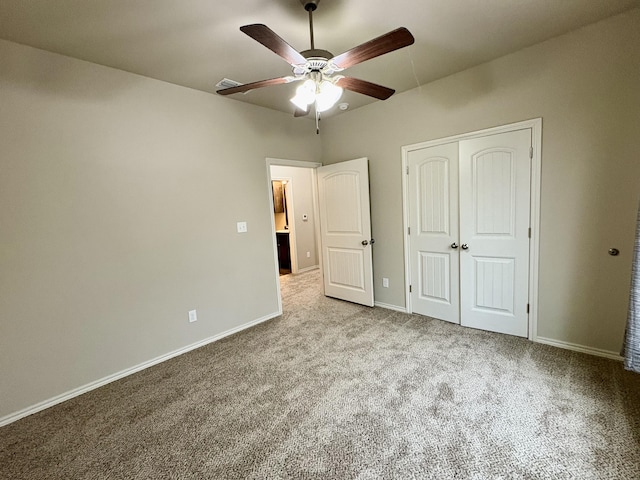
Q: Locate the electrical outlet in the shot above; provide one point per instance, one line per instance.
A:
(308, 254)
(193, 316)
(242, 227)
(385, 282)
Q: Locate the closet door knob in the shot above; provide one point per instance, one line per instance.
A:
(454, 245)
(372, 241)
(464, 246)
(365, 242)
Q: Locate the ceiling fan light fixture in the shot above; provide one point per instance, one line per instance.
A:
(327, 96)
(300, 103)
(323, 92)
(305, 94)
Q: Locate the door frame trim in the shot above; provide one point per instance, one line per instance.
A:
(289, 163)
(535, 124)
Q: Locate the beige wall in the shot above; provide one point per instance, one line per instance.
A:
(119, 200)
(585, 86)
(302, 189)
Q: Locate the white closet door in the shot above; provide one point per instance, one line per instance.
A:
(495, 173)
(433, 223)
(345, 231)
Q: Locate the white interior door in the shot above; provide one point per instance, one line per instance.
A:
(345, 231)
(433, 230)
(495, 175)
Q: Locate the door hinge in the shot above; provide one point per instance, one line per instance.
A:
(407, 169)
(408, 230)
(531, 152)
(409, 288)
(527, 308)
(529, 232)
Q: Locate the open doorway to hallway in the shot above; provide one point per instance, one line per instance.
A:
(295, 218)
(285, 236)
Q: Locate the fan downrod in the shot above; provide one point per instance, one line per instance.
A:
(310, 6)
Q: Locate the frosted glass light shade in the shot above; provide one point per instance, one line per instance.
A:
(305, 95)
(299, 102)
(327, 96)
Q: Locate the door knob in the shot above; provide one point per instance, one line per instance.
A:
(365, 243)
(372, 241)
(464, 246)
(454, 245)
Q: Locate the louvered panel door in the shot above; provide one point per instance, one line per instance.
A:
(494, 232)
(433, 192)
(345, 231)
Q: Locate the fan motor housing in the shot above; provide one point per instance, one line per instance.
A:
(316, 53)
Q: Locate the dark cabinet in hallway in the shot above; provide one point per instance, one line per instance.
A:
(284, 256)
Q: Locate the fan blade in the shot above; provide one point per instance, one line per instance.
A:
(366, 88)
(252, 86)
(398, 38)
(300, 113)
(267, 37)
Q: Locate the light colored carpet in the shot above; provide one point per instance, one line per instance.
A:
(335, 390)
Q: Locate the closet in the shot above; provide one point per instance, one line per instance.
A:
(467, 209)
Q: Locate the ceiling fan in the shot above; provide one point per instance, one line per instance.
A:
(319, 69)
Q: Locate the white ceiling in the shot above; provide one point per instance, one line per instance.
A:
(195, 43)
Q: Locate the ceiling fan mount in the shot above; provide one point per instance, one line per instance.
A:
(322, 88)
(310, 5)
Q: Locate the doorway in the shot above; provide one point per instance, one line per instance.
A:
(471, 206)
(294, 216)
(285, 235)
(341, 242)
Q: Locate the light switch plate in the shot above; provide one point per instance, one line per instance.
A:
(242, 227)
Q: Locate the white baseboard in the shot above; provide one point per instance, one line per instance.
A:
(579, 348)
(162, 358)
(308, 269)
(12, 417)
(390, 307)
